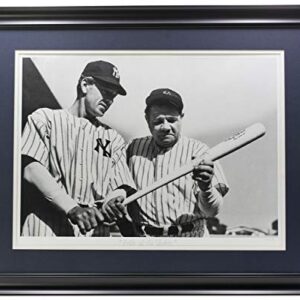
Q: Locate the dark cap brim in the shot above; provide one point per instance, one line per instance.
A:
(110, 84)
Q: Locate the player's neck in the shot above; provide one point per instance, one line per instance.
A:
(78, 109)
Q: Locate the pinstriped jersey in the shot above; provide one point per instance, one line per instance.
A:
(149, 163)
(87, 160)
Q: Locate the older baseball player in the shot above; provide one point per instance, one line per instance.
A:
(180, 207)
(75, 161)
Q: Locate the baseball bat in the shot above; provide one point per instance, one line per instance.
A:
(222, 149)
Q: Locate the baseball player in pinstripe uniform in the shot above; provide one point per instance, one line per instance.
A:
(74, 161)
(180, 207)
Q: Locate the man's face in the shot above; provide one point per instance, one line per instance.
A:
(98, 100)
(164, 122)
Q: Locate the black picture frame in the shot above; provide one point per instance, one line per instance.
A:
(165, 17)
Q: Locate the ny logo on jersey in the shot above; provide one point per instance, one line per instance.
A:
(103, 146)
(115, 72)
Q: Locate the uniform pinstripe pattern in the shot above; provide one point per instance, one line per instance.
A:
(148, 163)
(87, 160)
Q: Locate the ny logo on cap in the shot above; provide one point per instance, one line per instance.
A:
(167, 93)
(115, 72)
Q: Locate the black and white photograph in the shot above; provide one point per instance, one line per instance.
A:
(149, 150)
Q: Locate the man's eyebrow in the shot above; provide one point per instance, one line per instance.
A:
(166, 116)
(108, 90)
(159, 118)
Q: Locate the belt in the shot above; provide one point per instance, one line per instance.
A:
(172, 230)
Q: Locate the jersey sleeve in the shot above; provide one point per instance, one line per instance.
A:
(35, 137)
(121, 175)
(219, 180)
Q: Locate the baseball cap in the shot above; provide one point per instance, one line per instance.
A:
(104, 73)
(165, 95)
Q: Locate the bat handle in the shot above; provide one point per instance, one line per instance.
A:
(169, 178)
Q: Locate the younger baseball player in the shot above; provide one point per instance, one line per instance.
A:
(180, 207)
(73, 160)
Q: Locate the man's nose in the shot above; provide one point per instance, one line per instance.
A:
(166, 126)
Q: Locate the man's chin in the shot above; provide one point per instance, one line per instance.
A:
(101, 113)
(167, 143)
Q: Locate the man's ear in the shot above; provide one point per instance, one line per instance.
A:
(83, 86)
(148, 120)
(182, 115)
